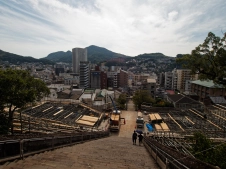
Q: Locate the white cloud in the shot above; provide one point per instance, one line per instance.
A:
(129, 27)
(172, 15)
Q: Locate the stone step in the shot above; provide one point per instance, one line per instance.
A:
(111, 152)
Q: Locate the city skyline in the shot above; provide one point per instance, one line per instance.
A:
(131, 27)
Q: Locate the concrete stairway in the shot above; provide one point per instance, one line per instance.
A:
(108, 153)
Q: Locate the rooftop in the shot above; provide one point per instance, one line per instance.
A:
(208, 84)
(219, 100)
(170, 92)
(89, 91)
(151, 80)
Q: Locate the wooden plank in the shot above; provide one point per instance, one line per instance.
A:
(82, 122)
(157, 116)
(158, 127)
(164, 126)
(152, 117)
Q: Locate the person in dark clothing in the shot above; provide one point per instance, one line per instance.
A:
(134, 137)
(140, 139)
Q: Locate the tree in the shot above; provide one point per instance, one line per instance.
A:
(17, 88)
(122, 101)
(208, 60)
(200, 147)
(162, 103)
(220, 156)
(206, 150)
(141, 96)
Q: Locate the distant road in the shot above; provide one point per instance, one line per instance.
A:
(130, 116)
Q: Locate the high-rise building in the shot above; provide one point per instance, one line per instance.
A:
(84, 72)
(161, 79)
(103, 78)
(183, 76)
(174, 79)
(181, 79)
(98, 78)
(78, 55)
(95, 79)
(113, 79)
(123, 78)
(168, 80)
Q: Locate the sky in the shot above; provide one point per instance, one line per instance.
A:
(131, 27)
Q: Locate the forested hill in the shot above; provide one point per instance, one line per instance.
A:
(17, 59)
(152, 56)
(95, 54)
(60, 56)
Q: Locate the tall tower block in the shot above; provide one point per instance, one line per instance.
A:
(78, 55)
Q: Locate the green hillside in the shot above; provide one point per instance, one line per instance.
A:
(60, 56)
(17, 59)
(152, 56)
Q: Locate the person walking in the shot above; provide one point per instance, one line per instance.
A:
(140, 136)
(134, 137)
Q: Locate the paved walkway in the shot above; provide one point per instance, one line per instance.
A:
(111, 152)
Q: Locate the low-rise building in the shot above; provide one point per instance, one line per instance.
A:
(150, 86)
(206, 89)
(183, 102)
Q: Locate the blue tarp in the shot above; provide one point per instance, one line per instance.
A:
(149, 126)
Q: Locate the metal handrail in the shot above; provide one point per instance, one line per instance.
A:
(19, 148)
(165, 157)
(174, 159)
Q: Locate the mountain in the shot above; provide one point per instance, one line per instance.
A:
(95, 54)
(15, 59)
(152, 56)
(60, 56)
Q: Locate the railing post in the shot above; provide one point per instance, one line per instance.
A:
(4, 149)
(167, 164)
(52, 142)
(22, 149)
(29, 125)
(21, 127)
(156, 154)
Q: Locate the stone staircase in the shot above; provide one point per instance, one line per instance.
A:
(108, 153)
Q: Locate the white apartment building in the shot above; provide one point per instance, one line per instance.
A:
(78, 55)
(140, 78)
(181, 79)
(84, 74)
